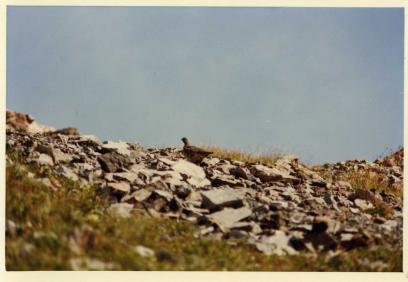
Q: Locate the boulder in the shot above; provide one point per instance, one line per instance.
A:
(219, 198)
(113, 162)
(139, 195)
(240, 172)
(193, 174)
(267, 174)
(226, 218)
(121, 148)
(66, 172)
(122, 187)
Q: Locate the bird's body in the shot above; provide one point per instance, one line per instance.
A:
(193, 153)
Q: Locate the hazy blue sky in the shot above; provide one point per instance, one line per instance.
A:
(325, 84)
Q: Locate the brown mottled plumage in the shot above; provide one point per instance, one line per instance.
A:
(193, 153)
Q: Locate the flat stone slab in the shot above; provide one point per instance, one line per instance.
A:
(120, 147)
(120, 186)
(226, 218)
(139, 195)
(219, 198)
(128, 176)
(195, 174)
(142, 195)
(164, 194)
(66, 172)
(267, 174)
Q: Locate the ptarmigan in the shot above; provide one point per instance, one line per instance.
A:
(193, 153)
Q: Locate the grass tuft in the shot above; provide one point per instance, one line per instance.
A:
(368, 180)
(238, 155)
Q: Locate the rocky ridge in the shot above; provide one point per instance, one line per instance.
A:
(285, 208)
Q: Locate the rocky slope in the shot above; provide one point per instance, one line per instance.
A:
(285, 208)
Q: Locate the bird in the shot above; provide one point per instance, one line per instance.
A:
(193, 153)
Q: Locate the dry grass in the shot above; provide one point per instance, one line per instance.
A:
(368, 180)
(242, 156)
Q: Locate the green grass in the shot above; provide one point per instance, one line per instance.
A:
(47, 219)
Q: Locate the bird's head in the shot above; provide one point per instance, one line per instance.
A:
(185, 141)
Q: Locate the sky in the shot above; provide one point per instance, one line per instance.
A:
(325, 84)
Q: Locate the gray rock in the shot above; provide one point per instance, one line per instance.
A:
(164, 194)
(297, 217)
(390, 225)
(144, 251)
(277, 244)
(194, 210)
(292, 160)
(210, 161)
(11, 228)
(120, 210)
(343, 185)
(316, 203)
(330, 201)
(166, 161)
(84, 263)
(119, 147)
(226, 218)
(122, 187)
(113, 162)
(194, 174)
(247, 226)
(44, 159)
(363, 204)
(205, 230)
(60, 157)
(279, 205)
(267, 174)
(218, 198)
(238, 234)
(67, 173)
(223, 168)
(127, 176)
(45, 149)
(195, 197)
(224, 179)
(140, 195)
